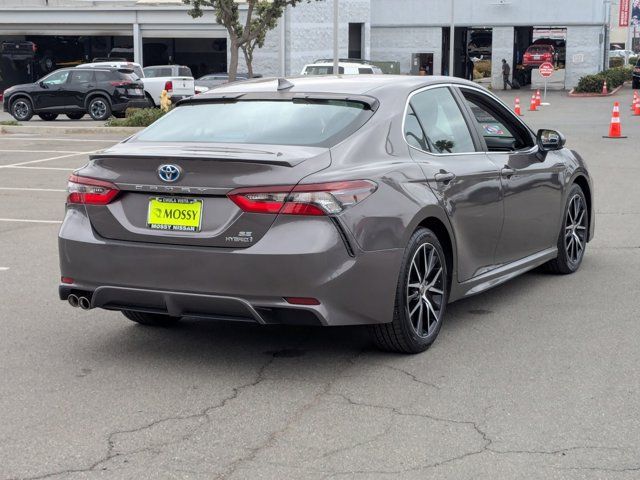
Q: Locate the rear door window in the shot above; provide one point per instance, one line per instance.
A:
(445, 128)
(81, 77)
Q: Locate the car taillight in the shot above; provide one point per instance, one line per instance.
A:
(123, 83)
(168, 86)
(88, 191)
(313, 199)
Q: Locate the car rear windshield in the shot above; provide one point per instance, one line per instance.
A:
(185, 72)
(277, 122)
(539, 49)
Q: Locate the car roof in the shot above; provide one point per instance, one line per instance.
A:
(337, 84)
(107, 64)
(340, 64)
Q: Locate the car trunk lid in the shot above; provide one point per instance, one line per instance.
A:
(207, 174)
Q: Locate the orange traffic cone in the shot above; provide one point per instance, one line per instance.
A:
(517, 107)
(604, 88)
(615, 131)
(538, 98)
(636, 108)
(533, 106)
(635, 100)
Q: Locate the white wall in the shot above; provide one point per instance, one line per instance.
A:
(398, 43)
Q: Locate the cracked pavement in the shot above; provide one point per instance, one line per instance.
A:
(537, 379)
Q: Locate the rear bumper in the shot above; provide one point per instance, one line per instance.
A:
(298, 257)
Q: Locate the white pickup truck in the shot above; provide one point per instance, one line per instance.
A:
(177, 80)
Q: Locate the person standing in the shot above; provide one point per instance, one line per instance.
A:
(506, 72)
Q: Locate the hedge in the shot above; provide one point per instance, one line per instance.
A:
(136, 117)
(593, 83)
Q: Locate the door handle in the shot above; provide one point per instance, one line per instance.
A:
(444, 177)
(507, 172)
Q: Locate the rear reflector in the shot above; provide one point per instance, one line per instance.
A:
(89, 191)
(312, 199)
(67, 280)
(302, 301)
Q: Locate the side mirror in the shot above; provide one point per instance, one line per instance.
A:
(43, 85)
(549, 140)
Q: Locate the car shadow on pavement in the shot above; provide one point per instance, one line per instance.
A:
(210, 342)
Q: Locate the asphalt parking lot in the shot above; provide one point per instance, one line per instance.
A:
(535, 379)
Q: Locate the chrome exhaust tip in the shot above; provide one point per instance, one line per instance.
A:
(73, 300)
(84, 303)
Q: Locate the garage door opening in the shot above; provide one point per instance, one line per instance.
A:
(535, 46)
(201, 55)
(472, 53)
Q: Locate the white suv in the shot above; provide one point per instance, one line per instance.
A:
(344, 68)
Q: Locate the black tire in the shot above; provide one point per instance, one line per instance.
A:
(151, 319)
(48, 117)
(570, 258)
(401, 335)
(99, 108)
(21, 109)
(149, 98)
(75, 116)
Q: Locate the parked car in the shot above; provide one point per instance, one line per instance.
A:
(559, 47)
(114, 63)
(635, 82)
(74, 92)
(214, 79)
(323, 201)
(346, 68)
(177, 80)
(536, 55)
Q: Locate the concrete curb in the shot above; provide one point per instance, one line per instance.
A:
(589, 95)
(52, 130)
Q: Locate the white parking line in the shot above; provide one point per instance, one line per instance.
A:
(24, 189)
(39, 151)
(39, 139)
(48, 159)
(29, 221)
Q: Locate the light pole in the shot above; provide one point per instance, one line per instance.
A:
(336, 70)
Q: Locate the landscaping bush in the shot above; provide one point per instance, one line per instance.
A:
(10, 122)
(615, 62)
(633, 60)
(593, 83)
(136, 117)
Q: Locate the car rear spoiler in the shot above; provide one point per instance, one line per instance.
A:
(369, 102)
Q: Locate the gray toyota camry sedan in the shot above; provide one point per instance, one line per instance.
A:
(361, 200)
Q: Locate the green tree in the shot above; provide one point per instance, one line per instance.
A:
(262, 16)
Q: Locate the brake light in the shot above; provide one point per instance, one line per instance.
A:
(168, 86)
(313, 199)
(122, 83)
(88, 191)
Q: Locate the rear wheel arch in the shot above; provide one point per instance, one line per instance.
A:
(445, 237)
(93, 95)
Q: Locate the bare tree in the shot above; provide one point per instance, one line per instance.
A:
(261, 16)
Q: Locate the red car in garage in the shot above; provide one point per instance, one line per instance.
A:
(536, 55)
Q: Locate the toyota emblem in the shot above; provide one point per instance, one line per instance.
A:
(169, 173)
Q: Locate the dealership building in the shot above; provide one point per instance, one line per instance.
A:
(413, 33)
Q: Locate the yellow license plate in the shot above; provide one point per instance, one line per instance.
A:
(175, 213)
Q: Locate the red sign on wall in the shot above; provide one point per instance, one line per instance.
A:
(623, 19)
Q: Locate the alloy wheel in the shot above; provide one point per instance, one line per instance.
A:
(98, 109)
(575, 230)
(21, 109)
(425, 290)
